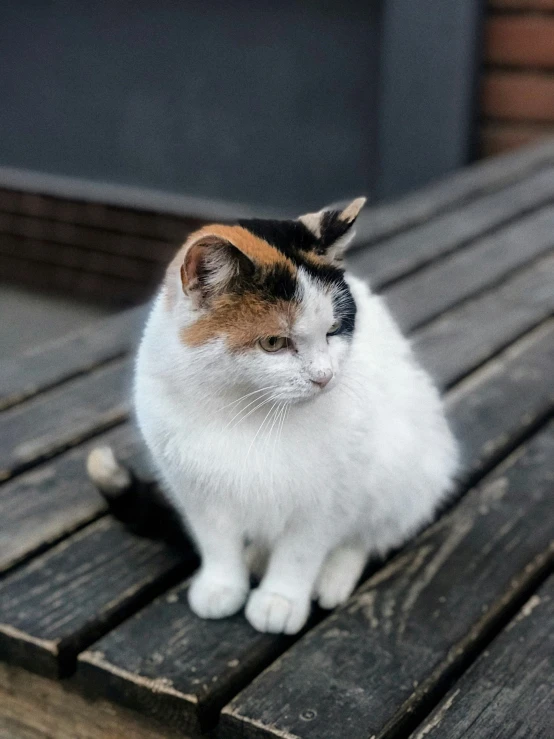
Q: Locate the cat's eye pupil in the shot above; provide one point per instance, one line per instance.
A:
(273, 343)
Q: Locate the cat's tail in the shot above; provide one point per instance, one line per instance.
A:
(136, 503)
(111, 478)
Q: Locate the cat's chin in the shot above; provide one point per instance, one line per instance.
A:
(311, 395)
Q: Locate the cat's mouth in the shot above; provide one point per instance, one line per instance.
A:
(312, 393)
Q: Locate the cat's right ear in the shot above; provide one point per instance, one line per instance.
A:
(210, 267)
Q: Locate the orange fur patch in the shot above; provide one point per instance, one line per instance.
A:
(241, 321)
(258, 250)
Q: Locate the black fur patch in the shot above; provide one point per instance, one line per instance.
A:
(294, 239)
(287, 236)
(332, 228)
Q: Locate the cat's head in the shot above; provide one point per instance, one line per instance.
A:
(267, 302)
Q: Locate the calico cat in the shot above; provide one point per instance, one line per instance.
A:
(286, 416)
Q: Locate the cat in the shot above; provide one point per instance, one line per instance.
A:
(287, 417)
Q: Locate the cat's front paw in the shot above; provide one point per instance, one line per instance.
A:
(212, 598)
(276, 614)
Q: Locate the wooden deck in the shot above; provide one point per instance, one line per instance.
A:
(449, 638)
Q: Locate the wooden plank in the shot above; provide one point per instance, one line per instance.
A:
(42, 506)
(63, 417)
(471, 270)
(61, 601)
(459, 341)
(494, 409)
(63, 714)
(201, 673)
(396, 257)
(47, 365)
(371, 667)
(508, 691)
(183, 669)
(470, 183)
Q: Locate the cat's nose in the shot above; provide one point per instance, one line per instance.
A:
(323, 378)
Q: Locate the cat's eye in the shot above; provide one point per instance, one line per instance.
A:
(273, 343)
(335, 328)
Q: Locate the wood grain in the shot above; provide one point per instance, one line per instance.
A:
(61, 601)
(192, 650)
(493, 410)
(42, 506)
(465, 337)
(63, 417)
(450, 193)
(34, 707)
(470, 271)
(398, 256)
(75, 354)
(509, 689)
(371, 666)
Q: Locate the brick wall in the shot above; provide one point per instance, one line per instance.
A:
(518, 86)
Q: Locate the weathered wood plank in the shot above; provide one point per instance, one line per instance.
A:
(63, 417)
(203, 671)
(468, 272)
(494, 409)
(34, 707)
(183, 669)
(465, 337)
(63, 600)
(48, 503)
(63, 498)
(468, 184)
(509, 690)
(396, 257)
(371, 666)
(50, 364)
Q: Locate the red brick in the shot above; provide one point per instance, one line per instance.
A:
(521, 40)
(499, 137)
(518, 96)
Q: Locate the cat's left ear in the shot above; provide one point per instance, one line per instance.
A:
(333, 229)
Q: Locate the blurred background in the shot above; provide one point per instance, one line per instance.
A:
(125, 124)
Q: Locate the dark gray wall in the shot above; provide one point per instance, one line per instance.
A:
(430, 60)
(288, 104)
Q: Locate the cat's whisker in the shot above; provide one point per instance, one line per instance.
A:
(260, 428)
(252, 402)
(265, 401)
(280, 413)
(247, 395)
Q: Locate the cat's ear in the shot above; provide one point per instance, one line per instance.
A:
(210, 265)
(333, 229)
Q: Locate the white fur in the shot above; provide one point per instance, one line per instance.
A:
(320, 478)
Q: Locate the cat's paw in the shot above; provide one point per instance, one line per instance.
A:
(276, 614)
(339, 575)
(211, 598)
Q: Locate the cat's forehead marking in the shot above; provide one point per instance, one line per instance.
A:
(241, 321)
